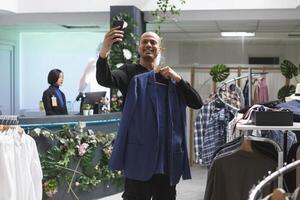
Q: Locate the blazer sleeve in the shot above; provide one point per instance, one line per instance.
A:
(117, 160)
(186, 166)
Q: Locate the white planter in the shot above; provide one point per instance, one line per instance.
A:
(85, 112)
(91, 112)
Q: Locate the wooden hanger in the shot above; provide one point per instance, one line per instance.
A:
(246, 145)
(278, 194)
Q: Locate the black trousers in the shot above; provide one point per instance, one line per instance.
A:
(157, 188)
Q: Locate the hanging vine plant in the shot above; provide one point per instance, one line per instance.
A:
(165, 10)
(288, 70)
(219, 72)
(121, 53)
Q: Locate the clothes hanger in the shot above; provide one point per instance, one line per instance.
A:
(246, 145)
(156, 71)
(278, 194)
(10, 122)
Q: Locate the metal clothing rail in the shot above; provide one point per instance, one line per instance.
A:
(278, 148)
(255, 192)
(263, 139)
(9, 120)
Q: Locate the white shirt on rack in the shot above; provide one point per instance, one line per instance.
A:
(20, 168)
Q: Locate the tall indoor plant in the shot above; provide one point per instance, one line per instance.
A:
(288, 70)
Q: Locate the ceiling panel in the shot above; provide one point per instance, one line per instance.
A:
(270, 26)
(241, 25)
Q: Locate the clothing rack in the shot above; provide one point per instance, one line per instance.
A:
(263, 139)
(9, 120)
(278, 148)
(254, 193)
(249, 76)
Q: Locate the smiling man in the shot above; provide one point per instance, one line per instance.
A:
(149, 150)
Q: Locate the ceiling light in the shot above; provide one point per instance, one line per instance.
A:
(237, 34)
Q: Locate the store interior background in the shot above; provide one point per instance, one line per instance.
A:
(33, 40)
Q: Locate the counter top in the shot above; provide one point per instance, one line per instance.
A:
(58, 120)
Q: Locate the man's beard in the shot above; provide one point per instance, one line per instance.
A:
(148, 58)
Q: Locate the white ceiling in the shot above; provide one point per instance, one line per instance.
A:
(271, 26)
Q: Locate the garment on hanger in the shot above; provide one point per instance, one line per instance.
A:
(277, 136)
(232, 95)
(210, 130)
(263, 147)
(261, 94)
(232, 175)
(246, 93)
(21, 173)
(293, 106)
(150, 120)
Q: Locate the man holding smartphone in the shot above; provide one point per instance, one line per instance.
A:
(159, 185)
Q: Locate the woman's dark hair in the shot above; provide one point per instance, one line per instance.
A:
(53, 76)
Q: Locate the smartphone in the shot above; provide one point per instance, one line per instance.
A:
(117, 23)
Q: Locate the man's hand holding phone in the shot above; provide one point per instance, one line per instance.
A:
(116, 34)
(118, 24)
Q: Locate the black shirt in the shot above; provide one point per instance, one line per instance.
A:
(50, 109)
(120, 79)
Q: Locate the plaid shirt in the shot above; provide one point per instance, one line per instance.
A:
(232, 95)
(210, 131)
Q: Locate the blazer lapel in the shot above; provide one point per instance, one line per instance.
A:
(152, 91)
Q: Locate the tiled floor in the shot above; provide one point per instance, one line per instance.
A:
(186, 190)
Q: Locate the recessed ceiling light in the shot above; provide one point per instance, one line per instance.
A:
(237, 34)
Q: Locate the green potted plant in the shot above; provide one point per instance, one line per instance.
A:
(86, 108)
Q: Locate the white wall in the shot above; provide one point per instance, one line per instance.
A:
(8, 6)
(12, 38)
(188, 53)
(41, 52)
(26, 6)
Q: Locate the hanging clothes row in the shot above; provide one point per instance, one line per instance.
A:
(260, 93)
(238, 166)
(211, 129)
(20, 167)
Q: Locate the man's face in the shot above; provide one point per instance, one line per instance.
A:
(149, 46)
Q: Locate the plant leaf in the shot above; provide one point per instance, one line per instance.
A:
(288, 69)
(286, 91)
(219, 72)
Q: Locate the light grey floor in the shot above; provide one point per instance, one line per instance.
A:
(186, 190)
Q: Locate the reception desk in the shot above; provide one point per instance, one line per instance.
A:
(106, 122)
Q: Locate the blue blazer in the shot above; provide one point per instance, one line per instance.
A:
(136, 147)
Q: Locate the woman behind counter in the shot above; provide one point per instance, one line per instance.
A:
(54, 99)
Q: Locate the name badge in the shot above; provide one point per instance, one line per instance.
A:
(54, 101)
